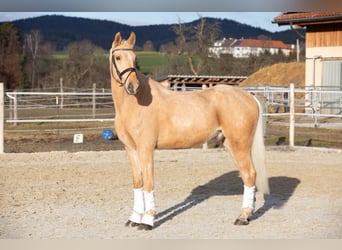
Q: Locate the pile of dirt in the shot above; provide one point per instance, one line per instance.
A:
(280, 74)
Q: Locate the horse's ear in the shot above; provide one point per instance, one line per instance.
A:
(131, 39)
(117, 40)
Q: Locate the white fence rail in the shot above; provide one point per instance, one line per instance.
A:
(311, 103)
(97, 106)
(28, 107)
(93, 106)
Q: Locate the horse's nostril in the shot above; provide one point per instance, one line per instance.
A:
(130, 88)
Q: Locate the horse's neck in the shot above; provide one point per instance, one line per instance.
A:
(120, 96)
(118, 93)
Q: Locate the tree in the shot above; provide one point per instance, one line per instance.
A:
(168, 48)
(33, 51)
(10, 68)
(48, 70)
(193, 43)
(148, 46)
(80, 61)
(40, 66)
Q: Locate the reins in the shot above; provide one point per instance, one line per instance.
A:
(120, 74)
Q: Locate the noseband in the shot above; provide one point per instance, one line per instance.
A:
(120, 74)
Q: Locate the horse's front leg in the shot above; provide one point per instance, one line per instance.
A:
(144, 210)
(138, 203)
(147, 166)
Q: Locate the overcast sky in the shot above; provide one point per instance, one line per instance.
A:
(256, 19)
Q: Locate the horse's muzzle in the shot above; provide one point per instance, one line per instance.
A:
(132, 88)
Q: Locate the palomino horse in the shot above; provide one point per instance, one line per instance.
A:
(150, 116)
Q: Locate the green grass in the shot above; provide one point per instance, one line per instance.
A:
(148, 61)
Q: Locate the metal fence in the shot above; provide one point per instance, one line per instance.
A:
(311, 107)
(97, 105)
(75, 106)
(312, 103)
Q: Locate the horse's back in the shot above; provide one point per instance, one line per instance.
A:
(211, 102)
(230, 99)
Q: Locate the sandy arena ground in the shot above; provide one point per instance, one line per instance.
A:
(88, 195)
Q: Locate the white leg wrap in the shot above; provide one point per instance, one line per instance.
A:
(139, 206)
(150, 208)
(248, 197)
(136, 217)
(149, 201)
(148, 219)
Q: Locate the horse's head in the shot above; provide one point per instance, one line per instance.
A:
(122, 63)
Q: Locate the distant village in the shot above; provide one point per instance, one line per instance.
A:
(242, 48)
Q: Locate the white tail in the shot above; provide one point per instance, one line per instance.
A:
(258, 154)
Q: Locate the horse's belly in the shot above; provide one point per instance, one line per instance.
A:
(185, 138)
(186, 122)
(178, 142)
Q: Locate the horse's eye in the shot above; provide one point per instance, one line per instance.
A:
(117, 58)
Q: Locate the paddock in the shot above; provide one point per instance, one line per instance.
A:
(87, 195)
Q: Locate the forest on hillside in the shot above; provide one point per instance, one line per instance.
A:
(32, 61)
(61, 30)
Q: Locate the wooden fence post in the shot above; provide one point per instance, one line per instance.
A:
(94, 100)
(61, 90)
(15, 108)
(292, 116)
(2, 117)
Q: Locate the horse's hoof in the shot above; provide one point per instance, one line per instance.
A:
(240, 222)
(130, 223)
(145, 227)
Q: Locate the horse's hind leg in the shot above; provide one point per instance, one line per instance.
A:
(241, 153)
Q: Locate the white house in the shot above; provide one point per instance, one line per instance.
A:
(242, 48)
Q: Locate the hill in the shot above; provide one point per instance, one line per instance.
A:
(278, 74)
(61, 30)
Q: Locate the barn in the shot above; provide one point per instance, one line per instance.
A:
(323, 63)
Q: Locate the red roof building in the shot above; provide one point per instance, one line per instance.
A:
(267, 44)
(246, 47)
